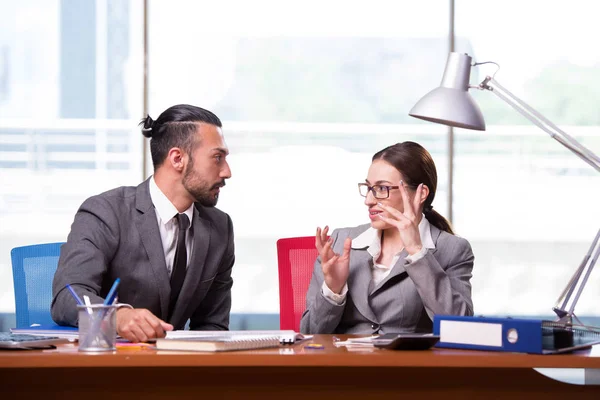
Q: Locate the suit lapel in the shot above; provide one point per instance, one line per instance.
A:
(202, 230)
(435, 235)
(398, 268)
(148, 229)
(358, 283)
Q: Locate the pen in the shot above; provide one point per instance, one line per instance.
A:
(88, 303)
(110, 298)
(97, 320)
(77, 298)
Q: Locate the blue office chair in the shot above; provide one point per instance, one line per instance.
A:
(33, 270)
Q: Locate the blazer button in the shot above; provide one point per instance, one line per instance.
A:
(374, 327)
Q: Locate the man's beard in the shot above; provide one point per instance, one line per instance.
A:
(199, 188)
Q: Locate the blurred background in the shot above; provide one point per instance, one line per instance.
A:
(308, 91)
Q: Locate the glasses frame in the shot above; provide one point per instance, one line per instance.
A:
(372, 190)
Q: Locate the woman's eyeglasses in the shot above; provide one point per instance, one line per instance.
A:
(379, 191)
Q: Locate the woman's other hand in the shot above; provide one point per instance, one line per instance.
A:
(335, 267)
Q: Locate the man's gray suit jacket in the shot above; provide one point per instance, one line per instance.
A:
(405, 301)
(115, 235)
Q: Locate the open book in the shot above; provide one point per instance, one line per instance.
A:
(218, 343)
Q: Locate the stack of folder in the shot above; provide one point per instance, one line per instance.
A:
(512, 334)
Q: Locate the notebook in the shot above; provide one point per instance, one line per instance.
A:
(217, 343)
(285, 336)
(64, 332)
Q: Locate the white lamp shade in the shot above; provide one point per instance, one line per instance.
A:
(451, 104)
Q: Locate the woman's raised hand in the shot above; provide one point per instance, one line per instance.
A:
(335, 267)
(407, 221)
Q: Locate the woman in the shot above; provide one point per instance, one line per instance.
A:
(395, 274)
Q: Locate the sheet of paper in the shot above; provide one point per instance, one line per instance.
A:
(357, 342)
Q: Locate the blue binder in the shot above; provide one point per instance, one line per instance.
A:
(510, 334)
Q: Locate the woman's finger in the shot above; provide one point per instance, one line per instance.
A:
(417, 199)
(324, 234)
(408, 210)
(391, 221)
(393, 212)
(330, 262)
(400, 225)
(326, 252)
(318, 241)
(347, 247)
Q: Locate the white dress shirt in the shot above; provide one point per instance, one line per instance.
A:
(371, 239)
(166, 216)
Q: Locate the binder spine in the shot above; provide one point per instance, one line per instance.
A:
(492, 334)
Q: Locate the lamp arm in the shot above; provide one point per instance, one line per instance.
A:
(585, 278)
(542, 122)
(588, 262)
(591, 257)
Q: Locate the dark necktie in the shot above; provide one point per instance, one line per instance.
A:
(179, 263)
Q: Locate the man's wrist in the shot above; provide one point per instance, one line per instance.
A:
(121, 306)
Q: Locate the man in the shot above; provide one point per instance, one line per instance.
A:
(168, 273)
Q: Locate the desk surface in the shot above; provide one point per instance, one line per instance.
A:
(67, 356)
(292, 373)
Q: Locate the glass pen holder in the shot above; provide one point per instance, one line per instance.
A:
(97, 328)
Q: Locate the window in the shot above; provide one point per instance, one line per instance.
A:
(306, 98)
(70, 99)
(308, 92)
(526, 203)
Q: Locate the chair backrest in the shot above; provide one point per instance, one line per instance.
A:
(296, 259)
(33, 270)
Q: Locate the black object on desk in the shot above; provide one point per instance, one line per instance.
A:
(406, 341)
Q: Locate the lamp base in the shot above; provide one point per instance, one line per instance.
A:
(562, 334)
(566, 318)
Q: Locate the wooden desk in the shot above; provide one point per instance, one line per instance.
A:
(291, 372)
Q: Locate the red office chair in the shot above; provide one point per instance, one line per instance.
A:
(296, 259)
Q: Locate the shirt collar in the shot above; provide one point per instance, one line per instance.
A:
(371, 238)
(164, 208)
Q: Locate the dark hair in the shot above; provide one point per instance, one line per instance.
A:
(416, 166)
(175, 127)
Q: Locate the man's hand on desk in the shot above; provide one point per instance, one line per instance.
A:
(140, 325)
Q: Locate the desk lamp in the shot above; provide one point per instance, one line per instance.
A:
(452, 105)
